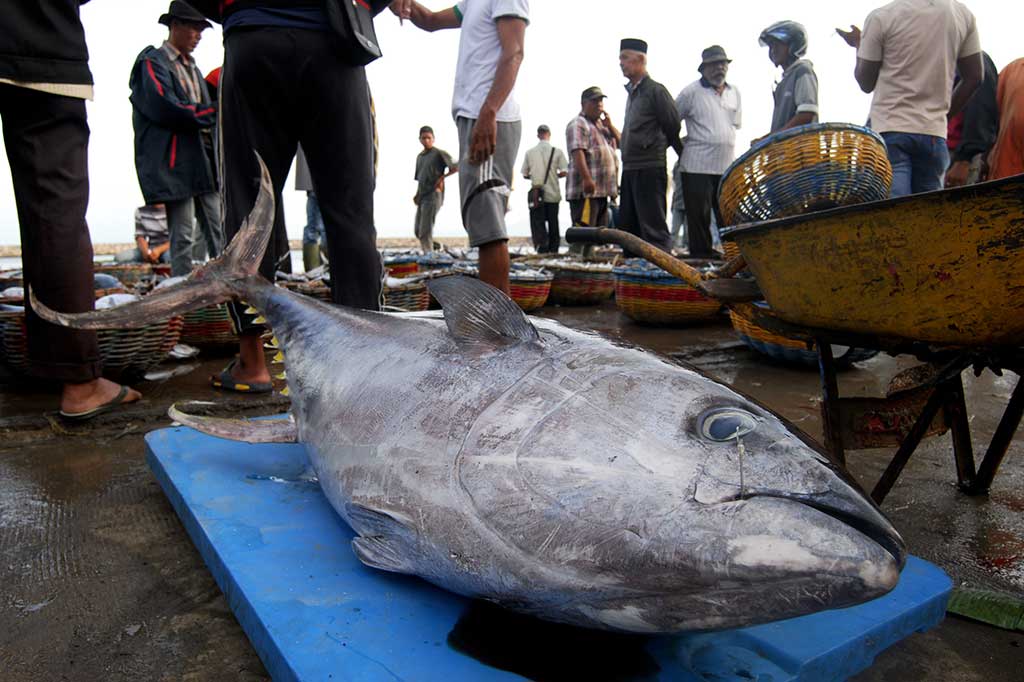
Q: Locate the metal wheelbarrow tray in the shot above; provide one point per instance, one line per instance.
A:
(942, 267)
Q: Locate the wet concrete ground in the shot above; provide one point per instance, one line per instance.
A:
(98, 580)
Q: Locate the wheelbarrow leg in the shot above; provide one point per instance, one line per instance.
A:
(831, 426)
(960, 431)
(910, 443)
(1000, 442)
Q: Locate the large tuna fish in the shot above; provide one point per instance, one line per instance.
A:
(547, 470)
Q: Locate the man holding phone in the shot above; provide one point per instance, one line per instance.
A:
(591, 139)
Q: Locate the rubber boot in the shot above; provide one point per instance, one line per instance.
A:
(310, 256)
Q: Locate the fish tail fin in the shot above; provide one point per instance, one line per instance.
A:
(231, 275)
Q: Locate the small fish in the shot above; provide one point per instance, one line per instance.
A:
(544, 469)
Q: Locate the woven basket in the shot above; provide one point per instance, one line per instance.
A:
(435, 261)
(785, 349)
(123, 351)
(411, 297)
(809, 168)
(129, 274)
(528, 288)
(578, 283)
(647, 294)
(401, 265)
(209, 326)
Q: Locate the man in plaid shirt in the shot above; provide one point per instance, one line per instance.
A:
(591, 139)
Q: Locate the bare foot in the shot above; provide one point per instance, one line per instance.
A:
(78, 398)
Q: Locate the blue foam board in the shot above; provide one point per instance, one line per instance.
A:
(281, 556)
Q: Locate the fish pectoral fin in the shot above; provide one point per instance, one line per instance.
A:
(244, 430)
(478, 314)
(386, 538)
(382, 553)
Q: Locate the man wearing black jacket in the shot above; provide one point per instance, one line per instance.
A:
(974, 131)
(44, 82)
(289, 78)
(174, 116)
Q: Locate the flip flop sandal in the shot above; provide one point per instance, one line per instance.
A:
(112, 404)
(227, 382)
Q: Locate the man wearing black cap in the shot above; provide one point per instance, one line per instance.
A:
(713, 112)
(543, 165)
(651, 126)
(591, 139)
(294, 73)
(174, 115)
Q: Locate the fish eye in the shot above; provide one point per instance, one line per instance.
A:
(724, 424)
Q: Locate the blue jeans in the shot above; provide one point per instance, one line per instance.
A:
(919, 162)
(313, 232)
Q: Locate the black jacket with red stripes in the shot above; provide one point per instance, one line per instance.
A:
(171, 159)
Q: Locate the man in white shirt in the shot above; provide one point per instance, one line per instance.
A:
(713, 112)
(486, 114)
(908, 55)
(544, 166)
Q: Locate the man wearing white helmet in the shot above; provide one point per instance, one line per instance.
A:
(796, 95)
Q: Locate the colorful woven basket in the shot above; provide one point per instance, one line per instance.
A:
(529, 288)
(123, 351)
(401, 265)
(435, 260)
(647, 294)
(411, 297)
(208, 327)
(788, 350)
(578, 283)
(808, 168)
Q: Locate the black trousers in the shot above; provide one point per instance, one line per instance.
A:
(700, 194)
(47, 140)
(544, 227)
(642, 205)
(281, 87)
(598, 212)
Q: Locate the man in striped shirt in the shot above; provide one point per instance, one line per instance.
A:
(712, 111)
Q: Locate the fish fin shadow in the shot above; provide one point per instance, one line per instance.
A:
(477, 314)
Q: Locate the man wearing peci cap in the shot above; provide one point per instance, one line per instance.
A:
(713, 112)
(543, 166)
(174, 116)
(591, 139)
(651, 126)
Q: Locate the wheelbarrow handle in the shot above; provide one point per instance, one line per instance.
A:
(632, 243)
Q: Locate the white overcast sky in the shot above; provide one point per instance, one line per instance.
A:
(570, 44)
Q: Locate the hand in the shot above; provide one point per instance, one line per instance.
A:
(484, 138)
(439, 187)
(401, 9)
(852, 37)
(589, 187)
(416, 200)
(956, 176)
(150, 257)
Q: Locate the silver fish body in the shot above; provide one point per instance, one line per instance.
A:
(571, 478)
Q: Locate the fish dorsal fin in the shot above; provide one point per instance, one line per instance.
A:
(478, 314)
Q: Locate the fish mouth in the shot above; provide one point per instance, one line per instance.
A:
(865, 519)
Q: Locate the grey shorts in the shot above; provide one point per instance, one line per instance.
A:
(484, 215)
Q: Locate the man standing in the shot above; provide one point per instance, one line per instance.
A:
(44, 82)
(796, 95)
(491, 46)
(972, 133)
(591, 139)
(1007, 156)
(543, 166)
(173, 116)
(713, 112)
(908, 56)
(433, 165)
(278, 55)
(651, 126)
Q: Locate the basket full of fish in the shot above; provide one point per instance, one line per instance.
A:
(549, 471)
(645, 293)
(578, 283)
(529, 287)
